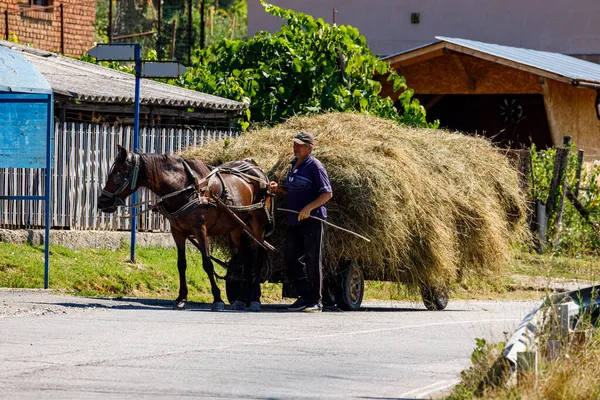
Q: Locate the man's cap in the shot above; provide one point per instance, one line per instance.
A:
(304, 138)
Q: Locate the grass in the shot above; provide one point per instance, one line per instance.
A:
(583, 268)
(573, 375)
(91, 272)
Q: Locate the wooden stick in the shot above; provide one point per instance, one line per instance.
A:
(328, 223)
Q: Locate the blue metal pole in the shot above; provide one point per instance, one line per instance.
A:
(47, 193)
(136, 130)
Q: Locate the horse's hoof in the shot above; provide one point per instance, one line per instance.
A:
(254, 306)
(218, 306)
(238, 305)
(179, 305)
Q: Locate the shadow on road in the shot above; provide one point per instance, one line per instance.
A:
(157, 304)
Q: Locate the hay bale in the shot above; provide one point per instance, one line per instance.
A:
(435, 204)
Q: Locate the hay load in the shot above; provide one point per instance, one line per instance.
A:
(435, 204)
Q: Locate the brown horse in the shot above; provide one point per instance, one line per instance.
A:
(198, 203)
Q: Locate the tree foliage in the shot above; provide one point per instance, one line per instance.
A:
(308, 66)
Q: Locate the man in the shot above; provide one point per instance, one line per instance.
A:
(307, 189)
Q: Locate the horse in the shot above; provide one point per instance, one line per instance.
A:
(231, 199)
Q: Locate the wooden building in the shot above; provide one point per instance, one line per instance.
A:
(513, 95)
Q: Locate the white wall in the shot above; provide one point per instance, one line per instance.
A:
(552, 25)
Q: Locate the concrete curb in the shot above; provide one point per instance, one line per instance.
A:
(86, 239)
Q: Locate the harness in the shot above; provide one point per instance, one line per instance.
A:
(130, 178)
(200, 194)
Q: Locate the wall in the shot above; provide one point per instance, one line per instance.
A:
(571, 112)
(550, 25)
(40, 27)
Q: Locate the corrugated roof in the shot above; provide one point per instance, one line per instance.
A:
(559, 64)
(568, 67)
(90, 82)
(17, 74)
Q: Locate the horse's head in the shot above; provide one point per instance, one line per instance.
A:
(121, 182)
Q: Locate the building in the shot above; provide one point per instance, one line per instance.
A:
(89, 93)
(66, 27)
(391, 26)
(513, 95)
(93, 113)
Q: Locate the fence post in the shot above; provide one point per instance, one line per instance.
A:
(110, 19)
(62, 29)
(173, 38)
(6, 24)
(159, 51)
(578, 173)
(202, 24)
(189, 33)
(558, 187)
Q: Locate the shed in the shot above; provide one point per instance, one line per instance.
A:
(515, 96)
(90, 93)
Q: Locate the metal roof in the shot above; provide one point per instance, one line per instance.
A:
(90, 82)
(568, 67)
(17, 74)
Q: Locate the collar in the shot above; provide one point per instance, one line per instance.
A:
(306, 160)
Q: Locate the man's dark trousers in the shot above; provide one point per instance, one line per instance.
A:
(303, 259)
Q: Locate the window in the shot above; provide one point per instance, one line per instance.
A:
(41, 3)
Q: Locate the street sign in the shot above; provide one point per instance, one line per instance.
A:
(157, 69)
(143, 69)
(113, 52)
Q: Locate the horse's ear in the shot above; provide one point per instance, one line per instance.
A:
(122, 153)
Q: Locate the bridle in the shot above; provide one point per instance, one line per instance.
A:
(130, 180)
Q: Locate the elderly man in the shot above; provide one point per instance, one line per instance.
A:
(307, 189)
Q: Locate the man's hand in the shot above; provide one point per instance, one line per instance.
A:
(304, 213)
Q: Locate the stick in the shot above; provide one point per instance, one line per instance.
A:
(328, 223)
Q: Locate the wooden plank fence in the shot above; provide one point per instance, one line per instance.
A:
(83, 154)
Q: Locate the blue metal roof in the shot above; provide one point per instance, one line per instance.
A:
(559, 64)
(17, 74)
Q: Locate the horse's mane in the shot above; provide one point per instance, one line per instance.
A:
(167, 161)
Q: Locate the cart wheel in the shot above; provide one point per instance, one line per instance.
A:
(435, 298)
(351, 288)
(233, 288)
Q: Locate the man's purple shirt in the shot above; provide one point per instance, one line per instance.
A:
(304, 185)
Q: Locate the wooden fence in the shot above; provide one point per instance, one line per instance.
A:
(83, 154)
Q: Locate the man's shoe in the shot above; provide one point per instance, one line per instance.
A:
(298, 305)
(313, 308)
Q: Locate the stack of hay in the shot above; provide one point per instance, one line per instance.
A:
(435, 204)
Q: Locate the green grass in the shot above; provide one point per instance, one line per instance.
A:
(585, 267)
(91, 272)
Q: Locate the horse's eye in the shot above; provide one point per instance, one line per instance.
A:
(118, 177)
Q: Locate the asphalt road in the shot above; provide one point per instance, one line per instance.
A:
(56, 346)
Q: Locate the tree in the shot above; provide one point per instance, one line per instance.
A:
(308, 66)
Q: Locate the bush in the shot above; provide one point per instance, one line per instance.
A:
(306, 67)
(577, 236)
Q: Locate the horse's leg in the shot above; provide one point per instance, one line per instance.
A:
(208, 266)
(180, 239)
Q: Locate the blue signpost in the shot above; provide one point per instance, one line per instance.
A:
(143, 69)
(27, 114)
